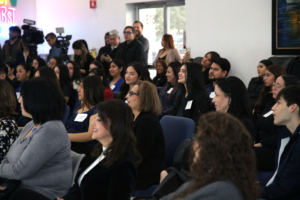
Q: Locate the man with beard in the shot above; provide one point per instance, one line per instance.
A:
(11, 46)
(139, 27)
(219, 69)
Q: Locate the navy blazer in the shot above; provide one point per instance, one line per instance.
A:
(286, 184)
(115, 182)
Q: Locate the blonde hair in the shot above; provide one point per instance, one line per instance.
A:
(148, 98)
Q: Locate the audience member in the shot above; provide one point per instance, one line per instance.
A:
(161, 69)
(266, 96)
(96, 64)
(75, 74)
(82, 57)
(66, 86)
(11, 71)
(8, 126)
(54, 61)
(256, 84)
(24, 72)
(145, 104)
(134, 72)
(54, 51)
(222, 162)
(285, 183)
(131, 50)
(220, 68)
(168, 53)
(79, 129)
(139, 27)
(4, 73)
(12, 46)
(84, 43)
(24, 55)
(38, 62)
(116, 78)
(108, 53)
(113, 157)
(40, 158)
(170, 91)
(193, 100)
(48, 73)
(231, 97)
(107, 91)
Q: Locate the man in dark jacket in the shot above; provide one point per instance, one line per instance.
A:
(131, 50)
(138, 26)
(285, 182)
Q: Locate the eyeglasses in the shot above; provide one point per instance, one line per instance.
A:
(128, 33)
(131, 93)
(276, 85)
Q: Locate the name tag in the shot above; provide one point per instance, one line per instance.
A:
(126, 101)
(18, 95)
(80, 117)
(112, 87)
(170, 90)
(268, 113)
(212, 95)
(189, 105)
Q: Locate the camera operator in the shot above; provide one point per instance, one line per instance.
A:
(11, 46)
(54, 51)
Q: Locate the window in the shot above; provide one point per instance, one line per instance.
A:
(159, 19)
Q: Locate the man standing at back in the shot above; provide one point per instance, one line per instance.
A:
(12, 46)
(285, 182)
(54, 51)
(131, 50)
(139, 27)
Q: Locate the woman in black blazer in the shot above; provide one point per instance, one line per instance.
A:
(112, 173)
(146, 106)
(193, 99)
(82, 57)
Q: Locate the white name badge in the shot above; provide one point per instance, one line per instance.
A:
(189, 105)
(80, 117)
(268, 113)
(126, 101)
(18, 95)
(112, 87)
(212, 95)
(170, 90)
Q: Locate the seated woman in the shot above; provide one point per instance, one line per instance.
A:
(256, 84)
(193, 99)
(75, 74)
(8, 126)
(206, 63)
(145, 104)
(38, 62)
(96, 64)
(40, 158)
(231, 97)
(24, 55)
(169, 92)
(66, 86)
(220, 172)
(79, 129)
(82, 57)
(54, 61)
(116, 77)
(133, 73)
(265, 96)
(112, 173)
(11, 71)
(100, 73)
(161, 69)
(168, 53)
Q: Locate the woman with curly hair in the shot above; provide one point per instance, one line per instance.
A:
(75, 74)
(223, 164)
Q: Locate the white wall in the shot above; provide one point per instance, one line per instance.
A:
(26, 9)
(238, 30)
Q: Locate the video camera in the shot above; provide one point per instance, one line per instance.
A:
(63, 42)
(32, 36)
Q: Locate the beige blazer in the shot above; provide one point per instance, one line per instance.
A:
(172, 56)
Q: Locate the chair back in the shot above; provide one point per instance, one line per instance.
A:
(66, 115)
(116, 94)
(175, 129)
(76, 159)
